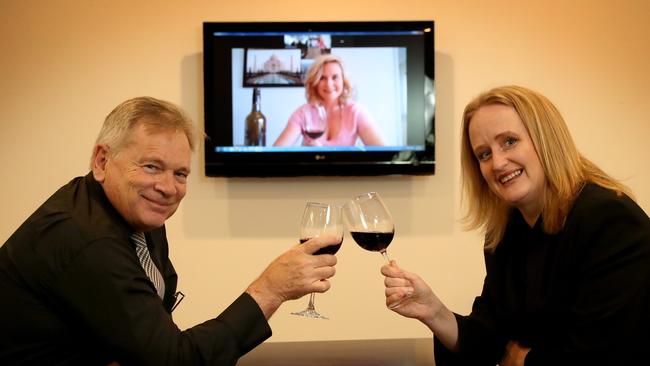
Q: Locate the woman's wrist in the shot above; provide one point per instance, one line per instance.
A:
(442, 322)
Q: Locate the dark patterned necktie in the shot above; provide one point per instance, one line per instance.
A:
(149, 267)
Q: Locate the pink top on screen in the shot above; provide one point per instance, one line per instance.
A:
(353, 119)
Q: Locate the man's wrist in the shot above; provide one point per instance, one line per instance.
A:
(266, 300)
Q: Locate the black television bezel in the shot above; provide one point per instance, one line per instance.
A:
(307, 163)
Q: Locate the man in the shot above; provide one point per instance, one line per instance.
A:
(86, 280)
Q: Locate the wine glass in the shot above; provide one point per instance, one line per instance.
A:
(320, 219)
(315, 123)
(370, 225)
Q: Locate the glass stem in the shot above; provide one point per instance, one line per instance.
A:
(385, 254)
(310, 306)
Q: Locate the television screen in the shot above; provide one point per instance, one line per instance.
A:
(319, 98)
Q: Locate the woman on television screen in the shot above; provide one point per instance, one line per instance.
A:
(330, 117)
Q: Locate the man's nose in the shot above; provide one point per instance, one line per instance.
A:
(166, 183)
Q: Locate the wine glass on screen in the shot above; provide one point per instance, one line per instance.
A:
(315, 122)
(320, 219)
(370, 225)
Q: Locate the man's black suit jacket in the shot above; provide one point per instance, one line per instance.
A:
(74, 293)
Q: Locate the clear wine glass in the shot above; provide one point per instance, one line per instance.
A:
(315, 123)
(371, 225)
(320, 219)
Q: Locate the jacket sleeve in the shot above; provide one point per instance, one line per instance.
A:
(105, 291)
(479, 339)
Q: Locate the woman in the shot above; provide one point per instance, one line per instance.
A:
(567, 251)
(328, 93)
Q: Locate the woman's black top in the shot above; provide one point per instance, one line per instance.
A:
(579, 297)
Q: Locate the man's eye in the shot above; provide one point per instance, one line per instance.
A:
(150, 168)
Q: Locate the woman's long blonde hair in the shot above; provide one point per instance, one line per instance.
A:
(566, 170)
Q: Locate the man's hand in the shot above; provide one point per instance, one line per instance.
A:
(294, 274)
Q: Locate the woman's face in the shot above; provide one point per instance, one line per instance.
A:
(330, 84)
(507, 158)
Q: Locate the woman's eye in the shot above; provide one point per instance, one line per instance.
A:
(482, 155)
(510, 141)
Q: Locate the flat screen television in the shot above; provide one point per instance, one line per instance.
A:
(390, 69)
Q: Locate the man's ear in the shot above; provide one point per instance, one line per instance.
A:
(99, 161)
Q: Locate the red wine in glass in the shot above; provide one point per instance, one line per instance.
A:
(373, 241)
(315, 121)
(330, 249)
(369, 222)
(314, 134)
(371, 225)
(320, 219)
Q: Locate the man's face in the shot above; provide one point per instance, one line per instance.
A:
(146, 180)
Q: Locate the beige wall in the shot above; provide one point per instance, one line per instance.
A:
(65, 64)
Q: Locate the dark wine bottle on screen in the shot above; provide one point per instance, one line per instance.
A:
(255, 134)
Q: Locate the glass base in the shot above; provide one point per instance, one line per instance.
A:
(310, 313)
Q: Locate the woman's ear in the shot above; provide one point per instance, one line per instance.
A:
(99, 161)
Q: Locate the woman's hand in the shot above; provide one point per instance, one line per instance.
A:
(417, 299)
(515, 354)
(419, 302)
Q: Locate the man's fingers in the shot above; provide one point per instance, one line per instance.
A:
(313, 245)
(321, 286)
(324, 272)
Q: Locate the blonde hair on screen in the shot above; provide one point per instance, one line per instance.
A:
(314, 74)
